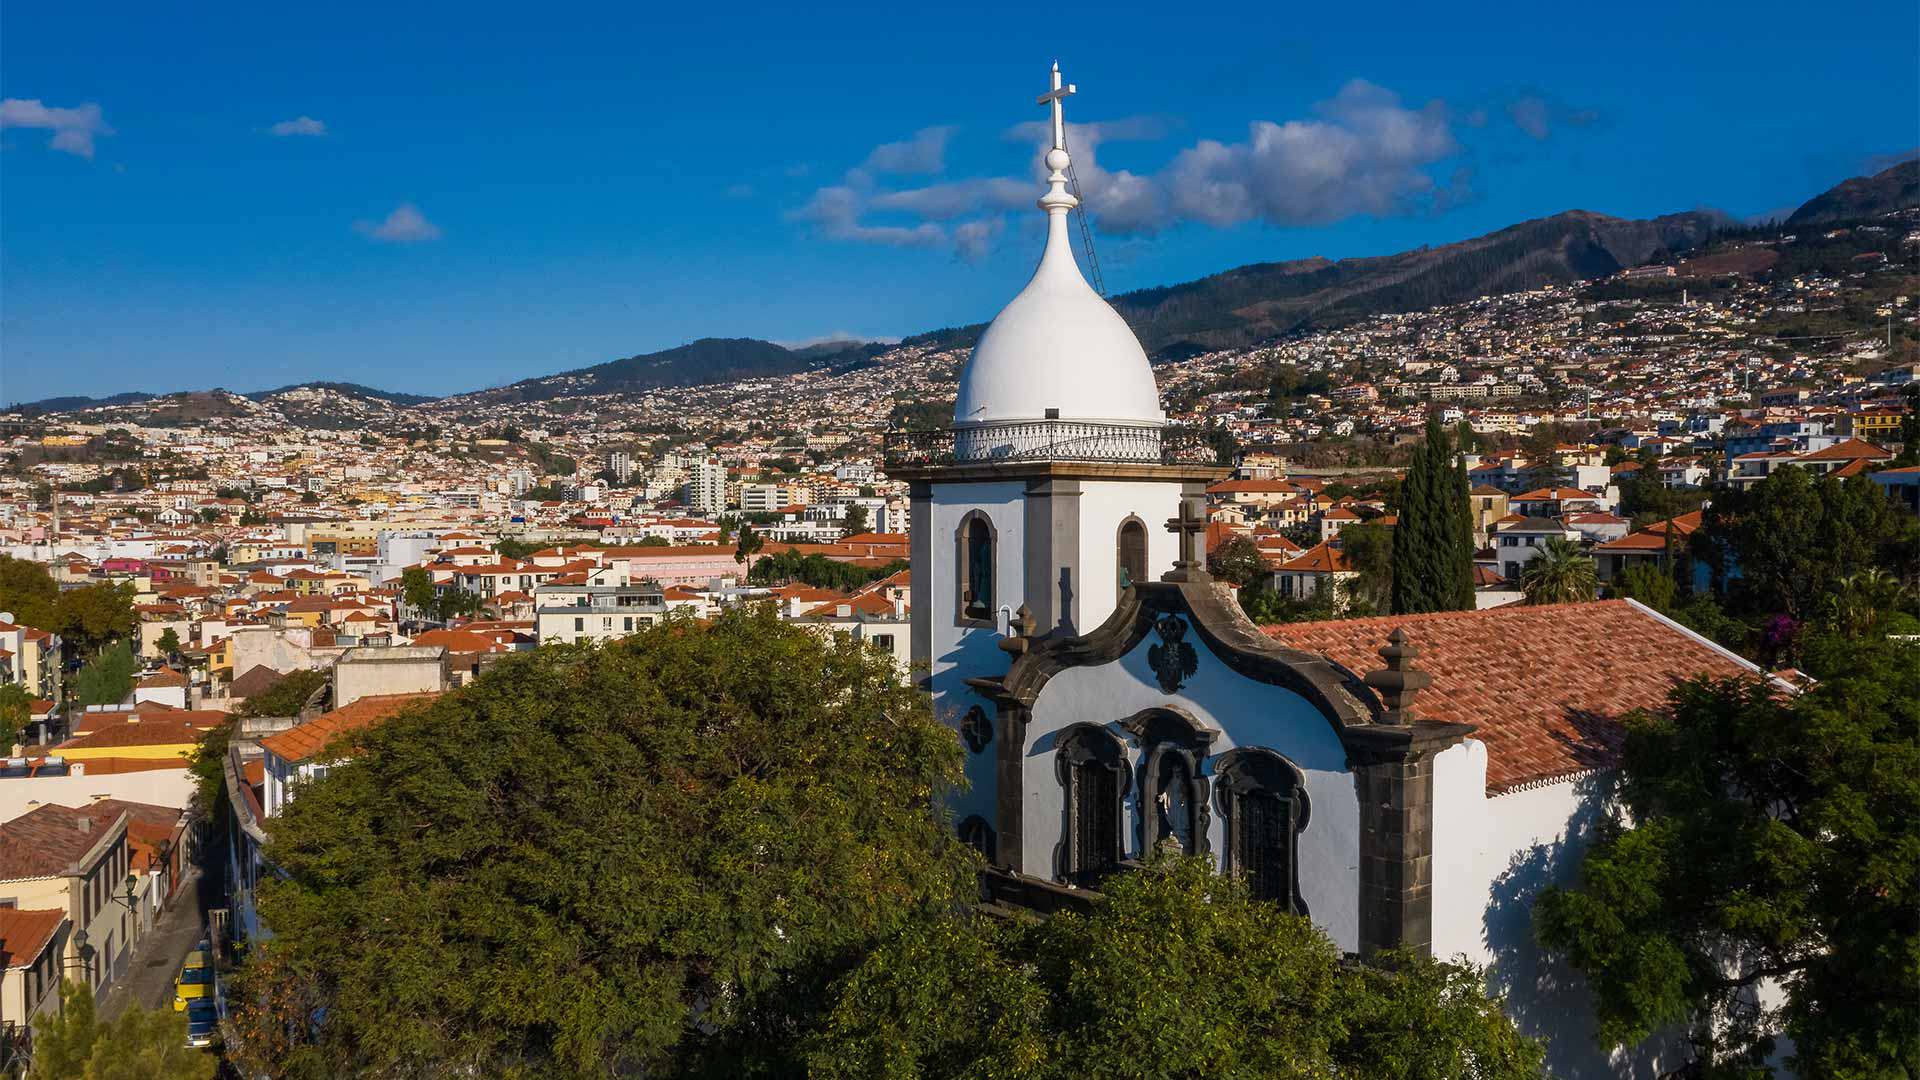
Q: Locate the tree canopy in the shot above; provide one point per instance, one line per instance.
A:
(142, 1044)
(1237, 561)
(1780, 545)
(87, 617)
(1177, 973)
(1763, 837)
(108, 678)
(594, 859)
(817, 570)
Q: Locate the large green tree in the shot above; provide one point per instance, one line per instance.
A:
(1237, 561)
(108, 678)
(1177, 973)
(416, 589)
(1781, 544)
(92, 617)
(591, 859)
(1763, 838)
(28, 593)
(1433, 543)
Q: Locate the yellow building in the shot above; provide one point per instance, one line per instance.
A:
(75, 861)
(146, 735)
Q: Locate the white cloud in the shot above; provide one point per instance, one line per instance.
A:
(1362, 152)
(303, 125)
(943, 202)
(1367, 154)
(406, 225)
(972, 240)
(73, 129)
(1120, 201)
(925, 152)
(836, 211)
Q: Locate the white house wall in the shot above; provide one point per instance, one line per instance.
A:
(1246, 714)
(1492, 859)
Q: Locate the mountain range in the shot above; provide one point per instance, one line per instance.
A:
(1237, 307)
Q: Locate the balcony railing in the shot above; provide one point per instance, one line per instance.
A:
(1050, 440)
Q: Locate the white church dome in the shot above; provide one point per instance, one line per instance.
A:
(1058, 350)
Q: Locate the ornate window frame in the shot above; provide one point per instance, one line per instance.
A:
(963, 570)
(1170, 733)
(1255, 770)
(1122, 578)
(1087, 745)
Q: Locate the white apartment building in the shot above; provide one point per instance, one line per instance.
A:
(574, 613)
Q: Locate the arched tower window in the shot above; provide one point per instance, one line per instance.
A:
(975, 569)
(1092, 768)
(1264, 800)
(1130, 554)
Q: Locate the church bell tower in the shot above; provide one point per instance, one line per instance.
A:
(1051, 492)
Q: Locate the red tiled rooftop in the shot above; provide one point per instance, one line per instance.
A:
(303, 742)
(24, 934)
(1545, 686)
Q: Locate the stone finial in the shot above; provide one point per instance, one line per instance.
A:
(1399, 681)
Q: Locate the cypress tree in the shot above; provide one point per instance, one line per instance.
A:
(1432, 546)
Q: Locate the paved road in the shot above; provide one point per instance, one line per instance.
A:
(149, 978)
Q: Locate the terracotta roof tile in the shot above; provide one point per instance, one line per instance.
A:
(1545, 686)
(24, 934)
(48, 840)
(303, 742)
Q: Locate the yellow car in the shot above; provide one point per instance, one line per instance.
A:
(195, 981)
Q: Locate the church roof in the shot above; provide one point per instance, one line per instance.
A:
(1545, 687)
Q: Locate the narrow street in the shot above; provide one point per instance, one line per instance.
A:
(156, 960)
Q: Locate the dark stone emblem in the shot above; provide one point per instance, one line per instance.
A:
(1173, 660)
(976, 730)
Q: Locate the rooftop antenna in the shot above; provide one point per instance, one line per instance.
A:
(1054, 98)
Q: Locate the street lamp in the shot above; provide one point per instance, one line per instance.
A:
(85, 963)
(131, 900)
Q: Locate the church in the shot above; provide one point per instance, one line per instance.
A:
(1405, 782)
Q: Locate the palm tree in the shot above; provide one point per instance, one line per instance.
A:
(1857, 600)
(1559, 574)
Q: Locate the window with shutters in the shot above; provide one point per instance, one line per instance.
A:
(1263, 798)
(1092, 769)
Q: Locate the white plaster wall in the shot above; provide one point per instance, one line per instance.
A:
(963, 652)
(1492, 859)
(1247, 714)
(161, 787)
(353, 681)
(1103, 506)
(1459, 840)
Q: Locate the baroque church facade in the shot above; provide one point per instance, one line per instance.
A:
(1405, 783)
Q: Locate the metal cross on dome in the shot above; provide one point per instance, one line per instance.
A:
(1055, 97)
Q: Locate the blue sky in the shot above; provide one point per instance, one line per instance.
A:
(439, 197)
